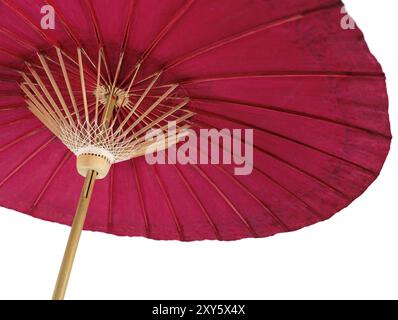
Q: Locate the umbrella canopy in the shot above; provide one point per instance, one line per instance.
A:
(311, 90)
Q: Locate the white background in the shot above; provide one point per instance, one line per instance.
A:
(352, 256)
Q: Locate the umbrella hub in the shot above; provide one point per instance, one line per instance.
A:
(91, 161)
(102, 93)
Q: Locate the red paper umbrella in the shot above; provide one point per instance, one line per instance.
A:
(101, 75)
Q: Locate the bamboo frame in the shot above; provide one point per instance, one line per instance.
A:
(101, 117)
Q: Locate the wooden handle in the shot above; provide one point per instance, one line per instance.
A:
(74, 236)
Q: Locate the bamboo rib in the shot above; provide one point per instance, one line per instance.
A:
(141, 134)
(137, 68)
(42, 118)
(153, 106)
(83, 83)
(76, 63)
(55, 72)
(45, 107)
(98, 84)
(67, 82)
(46, 100)
(55, 87)
(173, 110)
(105, 62)
(109, 108)
(138, 102)
(173, 117)
(116, 130)
(119, 66)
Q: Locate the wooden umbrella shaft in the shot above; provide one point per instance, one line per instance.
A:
(74, 236)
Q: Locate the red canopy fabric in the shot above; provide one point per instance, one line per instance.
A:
(311, 90)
